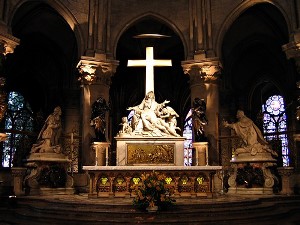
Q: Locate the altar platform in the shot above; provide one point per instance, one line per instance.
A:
(187, 181)
(79, 209)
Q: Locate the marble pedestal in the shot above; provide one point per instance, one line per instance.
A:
(48, 174)
(252, 175)
(285, 173)
(150, 151)
(201, 153)
(18, 174)
(101, 153)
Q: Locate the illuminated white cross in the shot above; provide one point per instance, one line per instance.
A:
(150, 62)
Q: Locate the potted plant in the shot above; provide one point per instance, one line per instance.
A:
(152, 192)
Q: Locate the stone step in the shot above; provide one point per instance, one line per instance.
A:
(70, 210)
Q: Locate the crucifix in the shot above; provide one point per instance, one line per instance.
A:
(149, 63)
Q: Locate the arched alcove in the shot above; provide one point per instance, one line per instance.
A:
(46, 58)
(251, 51)
(128, 83)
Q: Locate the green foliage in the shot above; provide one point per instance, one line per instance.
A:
(153, 190)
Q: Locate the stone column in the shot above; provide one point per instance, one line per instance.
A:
(204, 85)
(292, 51)
(95, 80)
(7, 45)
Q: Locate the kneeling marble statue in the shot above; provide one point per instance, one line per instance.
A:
(48, 139)
(252, 137)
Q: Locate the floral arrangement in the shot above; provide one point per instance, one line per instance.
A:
(153, 190)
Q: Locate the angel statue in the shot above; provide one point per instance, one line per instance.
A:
(199, 119)
(97, 121)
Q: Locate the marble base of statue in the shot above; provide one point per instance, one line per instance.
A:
(252, 174)
(48, 174)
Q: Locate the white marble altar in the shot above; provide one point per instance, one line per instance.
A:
(151, 151)
(187, 181)
(149, 141)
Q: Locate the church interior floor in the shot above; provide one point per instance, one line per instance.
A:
(79, 209)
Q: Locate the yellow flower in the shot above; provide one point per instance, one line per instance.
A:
(151, 204)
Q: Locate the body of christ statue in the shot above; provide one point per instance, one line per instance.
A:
(154, 118)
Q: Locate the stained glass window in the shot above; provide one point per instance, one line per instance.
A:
(18, 123)
(275, 125)
(188, 143)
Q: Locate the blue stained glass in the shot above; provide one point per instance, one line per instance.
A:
(275, 121)
(188, 143)
(18, 118)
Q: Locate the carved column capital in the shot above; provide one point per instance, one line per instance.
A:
(292, 49)
(285, 171)
(8, 43)
(105, 71)
(93, 71)
(202, 71)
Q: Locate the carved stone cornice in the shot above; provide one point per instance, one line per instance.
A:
(95, 71)
(202, 71)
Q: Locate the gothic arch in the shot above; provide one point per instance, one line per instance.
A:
(154, 17)
(263, 87)
(61, 10)
(237, 12)
(47, 38)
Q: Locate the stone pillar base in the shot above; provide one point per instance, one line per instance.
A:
(18, 174)
(250, 191)
(52, 191)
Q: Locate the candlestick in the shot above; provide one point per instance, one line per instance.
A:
(106, 156)
(197, 157)
(72, 138)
